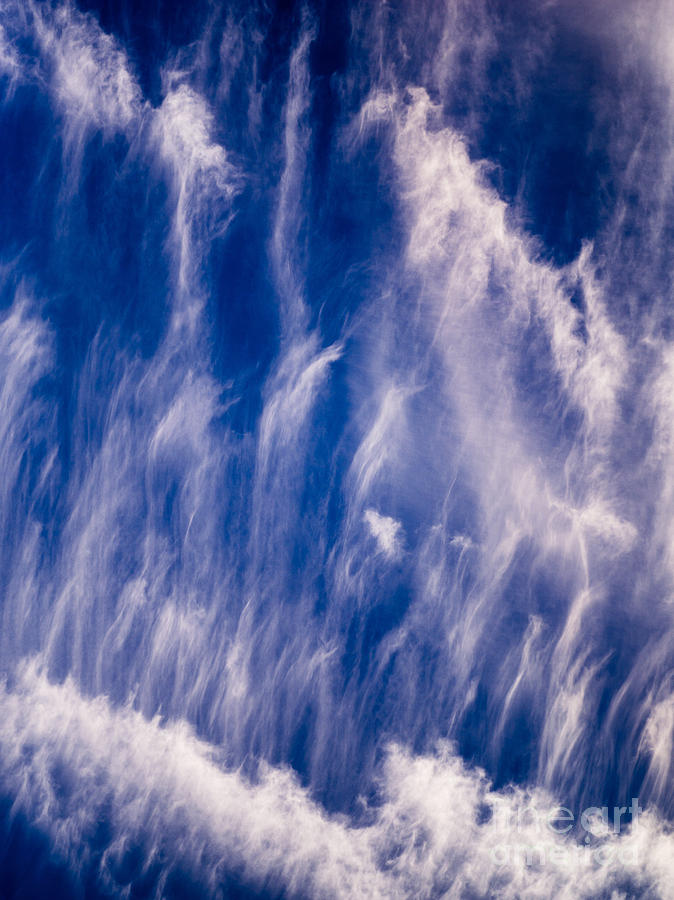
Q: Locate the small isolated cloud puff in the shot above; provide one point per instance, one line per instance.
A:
(385, 530)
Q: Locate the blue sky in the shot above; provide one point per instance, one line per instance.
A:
(336, 434)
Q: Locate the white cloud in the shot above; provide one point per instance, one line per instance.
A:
(89, 78)
(439, 828)
(385, 530)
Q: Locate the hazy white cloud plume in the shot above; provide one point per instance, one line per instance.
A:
(204, 181)
(596, 369)
(114, 561)
(657, 745)
(27, 424)
(88, 75)
(231, 53)
(596, 520)
(303, 371)
(239, 57)
(378, 108)
(479, 289)
(283, 440)
(27, 355)
(285, 249)
(380, 449)
(459, 224)
(658, 399)
(94, 89)
(571, 703)
(439, 828)
(303, 366)
(646, 33)
(125, 615)
(186, 125)
(165, 789)
(10, 63)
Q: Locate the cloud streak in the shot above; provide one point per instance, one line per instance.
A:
(337, 448)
